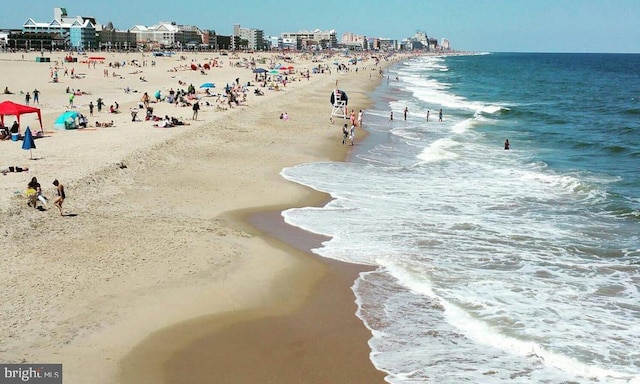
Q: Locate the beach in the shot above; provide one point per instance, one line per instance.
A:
(171, 260)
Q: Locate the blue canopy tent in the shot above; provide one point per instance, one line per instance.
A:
(68, 120)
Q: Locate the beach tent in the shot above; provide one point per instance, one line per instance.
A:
(66, 121)
(15, 109)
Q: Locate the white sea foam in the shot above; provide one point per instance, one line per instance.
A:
(439, 150)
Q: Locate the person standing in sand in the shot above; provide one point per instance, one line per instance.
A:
(360, 117)
(145, 100)
(196, 108)
(345, 134)
(91, 108)
(36, 96)
(27, 97)
(352, 133)
(60, 195)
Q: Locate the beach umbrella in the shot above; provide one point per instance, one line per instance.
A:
(259, 70)
(28, 143)
(273, 72)
(207, 85)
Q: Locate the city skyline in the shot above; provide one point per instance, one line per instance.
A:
(480, 25)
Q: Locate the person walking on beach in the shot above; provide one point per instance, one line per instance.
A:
(345, 134)
(406, 111)
(352, 134)
(360, 116)
(440, 115)
(71, 97)
(91, 108)
(196, 108)
(60, 195)
(99, 104)
(27, 97)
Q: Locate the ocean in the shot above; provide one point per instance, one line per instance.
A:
(493, 265)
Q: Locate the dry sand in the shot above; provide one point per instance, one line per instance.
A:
(153, 259)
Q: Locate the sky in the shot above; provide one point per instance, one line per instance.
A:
(606, 26)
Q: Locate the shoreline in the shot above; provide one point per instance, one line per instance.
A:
(298, 330)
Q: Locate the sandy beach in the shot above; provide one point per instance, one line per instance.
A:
(171, 262)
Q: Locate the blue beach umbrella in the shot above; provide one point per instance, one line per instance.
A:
(28, 143)
(259, 70)
(208, 85)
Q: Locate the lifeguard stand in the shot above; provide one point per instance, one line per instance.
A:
(339, 101)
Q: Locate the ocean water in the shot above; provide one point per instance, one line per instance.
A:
(493, 265)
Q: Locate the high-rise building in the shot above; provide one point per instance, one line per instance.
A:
(306, 39)
(254, 38)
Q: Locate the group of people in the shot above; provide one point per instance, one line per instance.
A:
(6, 132)
(34, 191)
(405, 113)
(348, 134)
(36, 97)
(168, 122)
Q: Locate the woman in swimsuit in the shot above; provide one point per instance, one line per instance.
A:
(60, 196)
